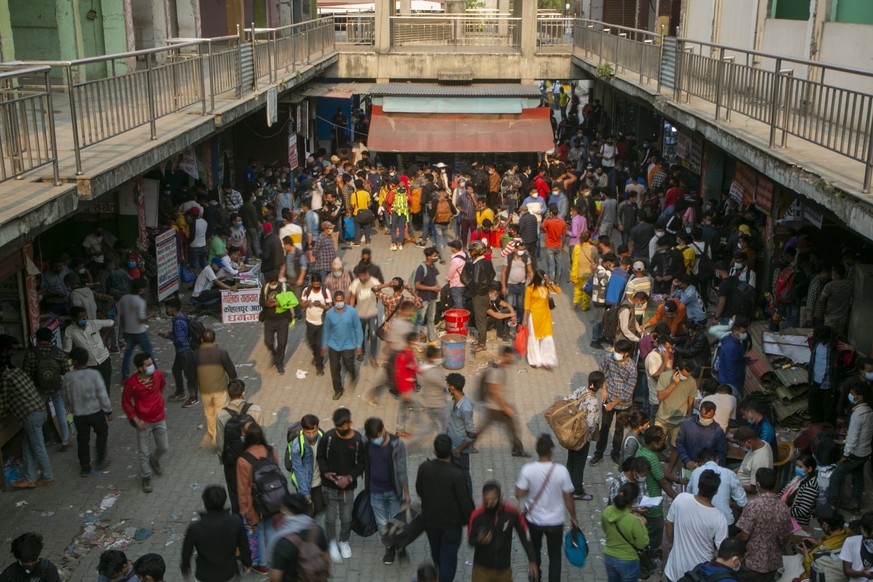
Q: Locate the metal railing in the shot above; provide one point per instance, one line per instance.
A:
(629, 49)
(140, 87)
(27, 132)
(554, 33)
(449, 30)
(355, 29)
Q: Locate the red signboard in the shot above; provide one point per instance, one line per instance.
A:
(764, 195)
(743, 186)
(31, 290)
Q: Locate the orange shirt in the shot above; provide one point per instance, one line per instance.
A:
(555, 229)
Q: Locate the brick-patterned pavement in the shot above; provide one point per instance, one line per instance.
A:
(61, 512)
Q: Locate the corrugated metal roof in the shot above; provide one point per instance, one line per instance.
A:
(436, 90)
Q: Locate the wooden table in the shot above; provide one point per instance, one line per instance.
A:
(9, 427)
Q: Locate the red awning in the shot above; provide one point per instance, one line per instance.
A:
(529, 131)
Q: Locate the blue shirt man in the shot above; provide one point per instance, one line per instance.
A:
(341, 339)
(732, 356)
(460, 426)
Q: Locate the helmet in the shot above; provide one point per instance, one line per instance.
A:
(476, 248)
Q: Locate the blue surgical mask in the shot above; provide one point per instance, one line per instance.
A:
(131, 264)
(851, 398)
(743, 336)
(150, 370)
(799, 472)
(868, 376)
(340, 304)
(378, 441)
(82, 322)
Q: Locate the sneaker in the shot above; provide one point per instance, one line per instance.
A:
(319, 372)
(356, 244)
(22, 484)
(85, 472)
(337, 395)
(345, 550)
(147, 484)
(399, 247)
(393, 247)
(105, 462)
(156, 466)
(421, 244)
(595, 459)
(280, 370)
(388, 558)
(334, 551)
(178, 396)
(614, 458)
(191, 402)
(263, 570)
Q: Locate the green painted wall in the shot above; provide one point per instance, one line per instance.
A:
(853, 11)
(35, 30)
(7, 43)
(790, 9)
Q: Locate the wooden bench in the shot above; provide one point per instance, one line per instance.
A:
(9, 428)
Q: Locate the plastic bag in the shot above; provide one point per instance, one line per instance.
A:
(520, 344)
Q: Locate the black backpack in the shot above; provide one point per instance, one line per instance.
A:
(705, 266)
(744, 299)
(467, 272)
(48, 374)
(269, 485)
(233, 442)
(697, 575)
(609, 323)
(195, 332)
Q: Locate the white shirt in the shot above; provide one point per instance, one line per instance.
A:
(725, 408)
(228, 266)
(549, 506)
(754, 460)
(295, 231)
(653, 364)
(89, 339)
(698, 531)
(199, 239)
(186, 206)
(204, 281)
(365, 299)
(314, 315)
(729, 488)
(851, 553)
(132, 310)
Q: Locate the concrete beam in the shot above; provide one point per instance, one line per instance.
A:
(852, 208)
(7, 44)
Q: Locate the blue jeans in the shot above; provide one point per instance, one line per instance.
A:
(441, 235)
(265, 536)
(458, 296)
(854, 466)
(61, 413)
(621, 570)
(463, 461)
(133, 340)
(197, 258)
(370, 325)
(426, 316)
(515, 297)
(398, 229)
(385, 506)
(426, 227)
(444, 544)
(36, 459)
(553, 263)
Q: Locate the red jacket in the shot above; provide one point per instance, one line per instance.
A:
(405, 367)
(144, 402)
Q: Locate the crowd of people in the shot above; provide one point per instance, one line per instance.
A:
(655, 270)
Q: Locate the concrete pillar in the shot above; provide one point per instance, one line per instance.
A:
(528, 33)
(382, 26)
(814, 28)
(69, 29)
(188, 18)
(760, 21)
(7, 44)
(114, 27)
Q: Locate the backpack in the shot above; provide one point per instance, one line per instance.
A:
(48, 375)
(467, 272)
(313, 564)
(697, 575)
(567, 423)
(233, 443)
(195, 332)
(704, 268)
(269, 486)
(609, 326)
(443, 212)
(414, 273)
(744, 299)
(786, 285)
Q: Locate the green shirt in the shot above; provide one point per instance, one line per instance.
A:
(656, 473)
(625, 534)
(217, 246)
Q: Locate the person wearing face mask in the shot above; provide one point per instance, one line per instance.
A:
(732, 357)
(228, 440)
(857, 552)
(657, 484)
(727, 563)
(385, 477)
(86, 334)
(28, 564)
(730, 491)
(821, 557)
(143, 403)
(698, 433)
(535, 201)
(516, 273)
(759, 456)
(340, 458)
(633, 470)
(676, 394)
(626, 535)
(856, 450)
(303, 439)
(341, 340)
(765, 524)
(801, 494)
(621, 378)
(432, 394)
(864, 378)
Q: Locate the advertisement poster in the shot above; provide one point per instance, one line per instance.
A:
(743, 186)
(293, 154)
(764, 195)
(272, 106)
(240, 306)
(303, 118)
(166, 255)
(188, 163)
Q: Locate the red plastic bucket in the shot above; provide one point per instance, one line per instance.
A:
(457, 321)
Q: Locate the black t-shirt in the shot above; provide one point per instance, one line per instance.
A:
(426, 276)
(641, 235)
(44, 571)
(285, 555)
(727, 289)
(428, 194)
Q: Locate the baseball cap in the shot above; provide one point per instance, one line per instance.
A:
(639, 266)
(194, 211)
(456, 244)
(216, 261)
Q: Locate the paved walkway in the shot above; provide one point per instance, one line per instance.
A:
(70, 509)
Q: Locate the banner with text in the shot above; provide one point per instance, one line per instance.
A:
(167, 256)
(240, 306)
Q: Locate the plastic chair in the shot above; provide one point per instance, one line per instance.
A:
(784, 464)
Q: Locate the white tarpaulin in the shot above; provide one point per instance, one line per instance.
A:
(793, 347)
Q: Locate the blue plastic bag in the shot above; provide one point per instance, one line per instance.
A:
(576, 547)
(186, 274)
(349, 228)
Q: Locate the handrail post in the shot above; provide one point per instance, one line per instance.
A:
(151, 96)
(74, 115)
(50, 120)
(239, 70)
(718, 73)
(211, 78)
(723, 70)
(274, 58)
(868, 165)
(255, 71)
(202, 79)
(786, 113)
(774, 102)
(642, 58)
(660, 64)
(677, 81)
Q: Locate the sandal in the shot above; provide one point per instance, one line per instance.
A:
(479, 348)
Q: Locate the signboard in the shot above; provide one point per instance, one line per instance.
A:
(303, 118)
(293, 154)
(272, 106)
(240, 306)
(689, 148)
(743, 186)
(188, 163)
(764, 195)
(166, 254)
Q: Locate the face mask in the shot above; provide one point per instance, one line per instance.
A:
(150, 369)
(378, 442)
(743, 336)
(799, 472)
(617, 357)
(81, 271)
(312, 438)
(391, 174)
(705, 421)
(868, 376)
(239, 224)
(659, 233)
(682, 377)
(438, 362)
(555, 192)
(84, 322)
(340, 304)
(851, 398)
(343, 431)
(337, 273)
(535, 195)
(131, 264)
(521, 254)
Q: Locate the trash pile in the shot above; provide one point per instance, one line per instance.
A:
(778, 371)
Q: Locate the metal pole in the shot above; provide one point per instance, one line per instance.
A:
(789, 75)
(677, 86)
(50, 119)
(274, 59)
(868, 165)
(774, 103)
(202, 78)
(74, 118)
(151, 97)
(660, 64)
(718, 81)
(211, 79)
(255, 70)
(239, 64)
(642, 57)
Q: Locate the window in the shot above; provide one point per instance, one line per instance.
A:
(789, 9)
(852, 11)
